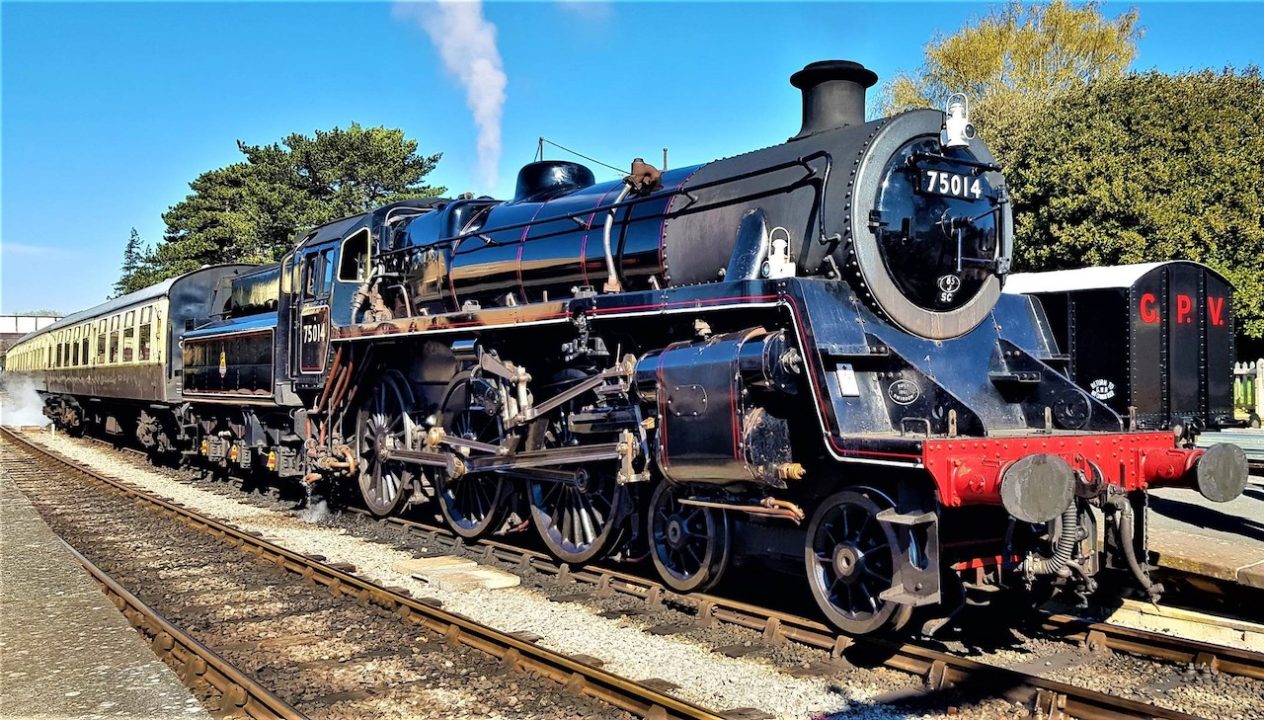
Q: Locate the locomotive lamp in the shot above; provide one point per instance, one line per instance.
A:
(958, 132)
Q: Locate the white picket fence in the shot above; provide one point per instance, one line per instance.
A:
(1248, 387)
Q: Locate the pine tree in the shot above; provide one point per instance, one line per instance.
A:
(133, 262)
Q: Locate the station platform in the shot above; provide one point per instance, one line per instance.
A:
(65, 650)
(1224, 541)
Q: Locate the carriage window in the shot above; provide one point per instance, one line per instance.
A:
(129, 336)
(84, 344)
(353, 264)
(101, 343)
(76, 354)
(146, 337)
(114, 339)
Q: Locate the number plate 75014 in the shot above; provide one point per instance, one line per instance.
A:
(950, 184)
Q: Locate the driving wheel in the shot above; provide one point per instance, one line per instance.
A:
(472, 504)
(586, 517)
(383, 425)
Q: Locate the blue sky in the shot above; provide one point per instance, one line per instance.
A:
(110, 109)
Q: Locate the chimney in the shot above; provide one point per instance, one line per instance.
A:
(833, 94)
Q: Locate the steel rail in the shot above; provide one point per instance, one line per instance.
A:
(938, 669)
(776, 625)
(578, 677)
(1101, 635)
(192, 661)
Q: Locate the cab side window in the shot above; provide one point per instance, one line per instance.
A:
(355, 258)
(311, 276)
(318, 274)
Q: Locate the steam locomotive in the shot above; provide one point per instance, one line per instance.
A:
(800, 356)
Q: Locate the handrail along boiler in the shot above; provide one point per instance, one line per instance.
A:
(799, 355)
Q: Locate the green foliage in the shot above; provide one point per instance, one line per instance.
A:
(1013, 61)
(1106, 167)
(1148, 167)
(137, 271)
(250, 211)
(1020, 50)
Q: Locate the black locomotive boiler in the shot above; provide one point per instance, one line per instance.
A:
(799, 355)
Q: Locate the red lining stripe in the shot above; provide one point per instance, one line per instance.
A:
(522, 245)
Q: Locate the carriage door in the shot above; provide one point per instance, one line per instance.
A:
(316, 281)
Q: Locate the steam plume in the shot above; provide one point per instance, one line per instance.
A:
(20, 405)
(466, 42)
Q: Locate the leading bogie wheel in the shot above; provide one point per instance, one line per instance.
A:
(383, 425)
(689, 544)
(473, 504)
(850, 559)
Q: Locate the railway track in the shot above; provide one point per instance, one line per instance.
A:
(511, 653)
(939, 669)
(197, 665)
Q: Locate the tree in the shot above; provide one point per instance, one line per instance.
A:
(133, 262)
(250, 211)
(1148, 167)
(1014, 60)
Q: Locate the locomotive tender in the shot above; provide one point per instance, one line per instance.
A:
(1153, 341)
(799, 355)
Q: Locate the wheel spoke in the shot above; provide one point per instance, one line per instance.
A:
(864, 526)
(566, 524)
(875, 574)
(869, 596)
(694, 554)
(829, 535)
(590, 534)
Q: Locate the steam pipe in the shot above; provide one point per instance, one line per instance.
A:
(612, 282)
